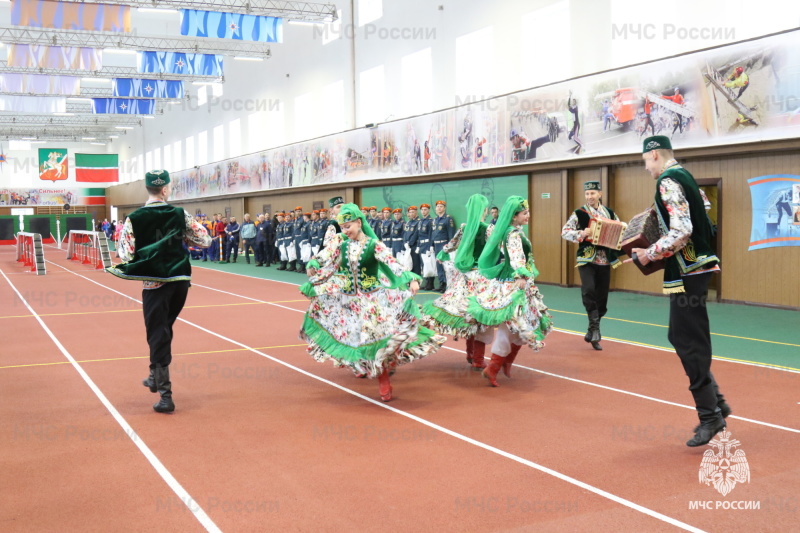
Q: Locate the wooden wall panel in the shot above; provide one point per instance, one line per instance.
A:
(545, 226)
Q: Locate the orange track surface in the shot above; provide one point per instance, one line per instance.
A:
(262, 445)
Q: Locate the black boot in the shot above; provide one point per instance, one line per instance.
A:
(724, 408)
(442, 288)
(428, 285)
(282, 267)
(164, 386)
(594, 330)
(711, 420)
(290, 268)
(150, 382)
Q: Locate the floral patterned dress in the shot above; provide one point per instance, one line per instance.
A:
(355, 317)
(448, 313)
(498, 301)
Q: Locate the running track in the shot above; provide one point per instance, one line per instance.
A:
(264, 438)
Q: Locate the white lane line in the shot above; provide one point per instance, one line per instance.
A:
(437, 427)
(759, 422)
(159, 467)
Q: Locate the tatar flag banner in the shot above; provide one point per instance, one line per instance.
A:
(71, 15)
(62, 57)
(53, 164)
(134, 88)
(123, 106)
(776, 211)
(40, 84)
(180, 63)
(97, 168)
(231, 26)
(33, 104)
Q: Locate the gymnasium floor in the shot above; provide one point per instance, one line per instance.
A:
(266, 439)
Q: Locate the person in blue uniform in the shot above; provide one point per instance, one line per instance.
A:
(411, 238)
(265, 240)
(425, 241)
(297, 238)
(397, 231)
(280, 240)
(444, 229)
(385, 227)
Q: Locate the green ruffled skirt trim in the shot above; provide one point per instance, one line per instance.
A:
(494, 317)
(447, 323)
(372, 359)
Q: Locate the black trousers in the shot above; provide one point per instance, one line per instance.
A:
(161, 308)
(690, 334)
(595, 281)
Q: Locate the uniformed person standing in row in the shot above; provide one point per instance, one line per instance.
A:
(386, 227)
(322, 225)
(397, 231)
(411, 238)
(444, 229)
(280, 239)
(425, 242)
(297, 237)
(374, 220)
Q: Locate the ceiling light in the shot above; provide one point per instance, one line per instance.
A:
(156, 10)
(124, 127)
(98, 144)
(88, 138)
(113, 136)
(149, 116)
(307, 22)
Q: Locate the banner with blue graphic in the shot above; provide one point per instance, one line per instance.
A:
(776, 211)
(123, 106)
(180, 63)
(136, 88)
(260, 28)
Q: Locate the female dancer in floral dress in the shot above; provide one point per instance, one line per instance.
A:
(510, 299)
(362, 313)
(448, 313)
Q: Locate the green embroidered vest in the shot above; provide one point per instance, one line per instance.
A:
(697, 254)
(586, 250)
(507, 272)
(366, 275)
(159, 254)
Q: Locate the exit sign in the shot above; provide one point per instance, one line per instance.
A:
(545, 195)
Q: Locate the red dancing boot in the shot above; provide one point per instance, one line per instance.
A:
(478, 351)
(491, 371)
(470, 348)
(510, 359)
(385, 386)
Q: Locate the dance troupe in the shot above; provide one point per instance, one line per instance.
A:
(363, 316)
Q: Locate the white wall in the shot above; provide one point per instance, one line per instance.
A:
(307, 88)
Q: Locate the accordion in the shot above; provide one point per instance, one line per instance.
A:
(606, 232)
(642, 231)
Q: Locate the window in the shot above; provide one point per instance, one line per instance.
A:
(547, 30)
(203, 155)
(303, 117)
(190, 161)
(369, 10)
(417, 84)
(216, 90)
(475, 64)
(140, 169)
(218, 138)
(371, 96)
(202, 95)
(235, 147)
(177, 156)
(157, 159)
(168, 159)
(148, 161)
(332, 30)
(256, 128)
(332, 119)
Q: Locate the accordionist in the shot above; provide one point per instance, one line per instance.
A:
(594, 262)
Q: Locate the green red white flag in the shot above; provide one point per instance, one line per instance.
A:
(97, 168)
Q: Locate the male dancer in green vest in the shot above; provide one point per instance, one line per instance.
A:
(594, 261)
(690, 261)
(151, 246)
